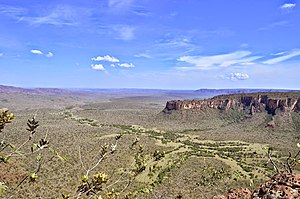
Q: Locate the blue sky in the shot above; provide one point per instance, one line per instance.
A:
(167, 44)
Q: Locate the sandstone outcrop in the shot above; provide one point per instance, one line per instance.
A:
(254, 103)
(282, 185)
(235, 194)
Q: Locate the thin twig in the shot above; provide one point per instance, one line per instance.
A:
(16, 151)
(80, 158)
(272, 162)
(288, 163)
(100, 160)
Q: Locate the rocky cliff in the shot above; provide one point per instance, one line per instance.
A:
(256, 102)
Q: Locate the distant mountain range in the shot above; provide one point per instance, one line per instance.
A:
(41, 91)
(59, 91)
(239, 90)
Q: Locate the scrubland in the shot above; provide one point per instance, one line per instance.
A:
(187, 154)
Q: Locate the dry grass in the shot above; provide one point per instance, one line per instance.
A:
(206, 153)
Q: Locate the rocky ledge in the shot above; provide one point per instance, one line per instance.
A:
(282, 185)
(252, 102)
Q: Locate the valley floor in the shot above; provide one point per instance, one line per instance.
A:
(201, 154)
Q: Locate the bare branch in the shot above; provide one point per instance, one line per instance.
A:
(269, 154)
(80, 158)
(288, 163)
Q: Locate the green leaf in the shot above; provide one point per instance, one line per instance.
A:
(84, 178)
(33, 147)
(33, 177)
(62, 158)
(4, 159)
(251, 183)
(266, 149)
(7, 158)
(145, 190)
(3, 188)
(38, 158)
(67, 196)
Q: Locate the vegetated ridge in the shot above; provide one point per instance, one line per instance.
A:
(36, 91)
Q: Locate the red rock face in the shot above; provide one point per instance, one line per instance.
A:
(254, 104)
(282, 185)
(296, 106)
(272, 105)
(241, 193)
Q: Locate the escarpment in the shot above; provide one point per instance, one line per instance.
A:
(272, 104)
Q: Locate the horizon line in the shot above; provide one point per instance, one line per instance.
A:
(136, 88)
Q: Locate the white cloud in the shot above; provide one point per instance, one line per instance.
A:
(38, 52)
(238, 59)
(174, 44)
(222, 60)
(126, 65)
(1, 54)
(274, 25)
(110, 59)
(143, 55)
(98, 67)
(107, 58)
(50, 54)
(119, 4)
(142, 12)
(285, 56)
(279, 53)
(61, 15)
(235, 76)
(11, 11)
(187, 68)
(244, 45)
(288, 6)
(126, 33)
(176, 41)
(247, 63)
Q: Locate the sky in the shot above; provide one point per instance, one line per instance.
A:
(158, 44)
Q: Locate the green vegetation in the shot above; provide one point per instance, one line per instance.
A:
(296, 121)
(120, 149)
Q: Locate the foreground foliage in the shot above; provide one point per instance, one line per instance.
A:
(202, 165)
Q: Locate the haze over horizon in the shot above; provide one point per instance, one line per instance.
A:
(168, 44)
